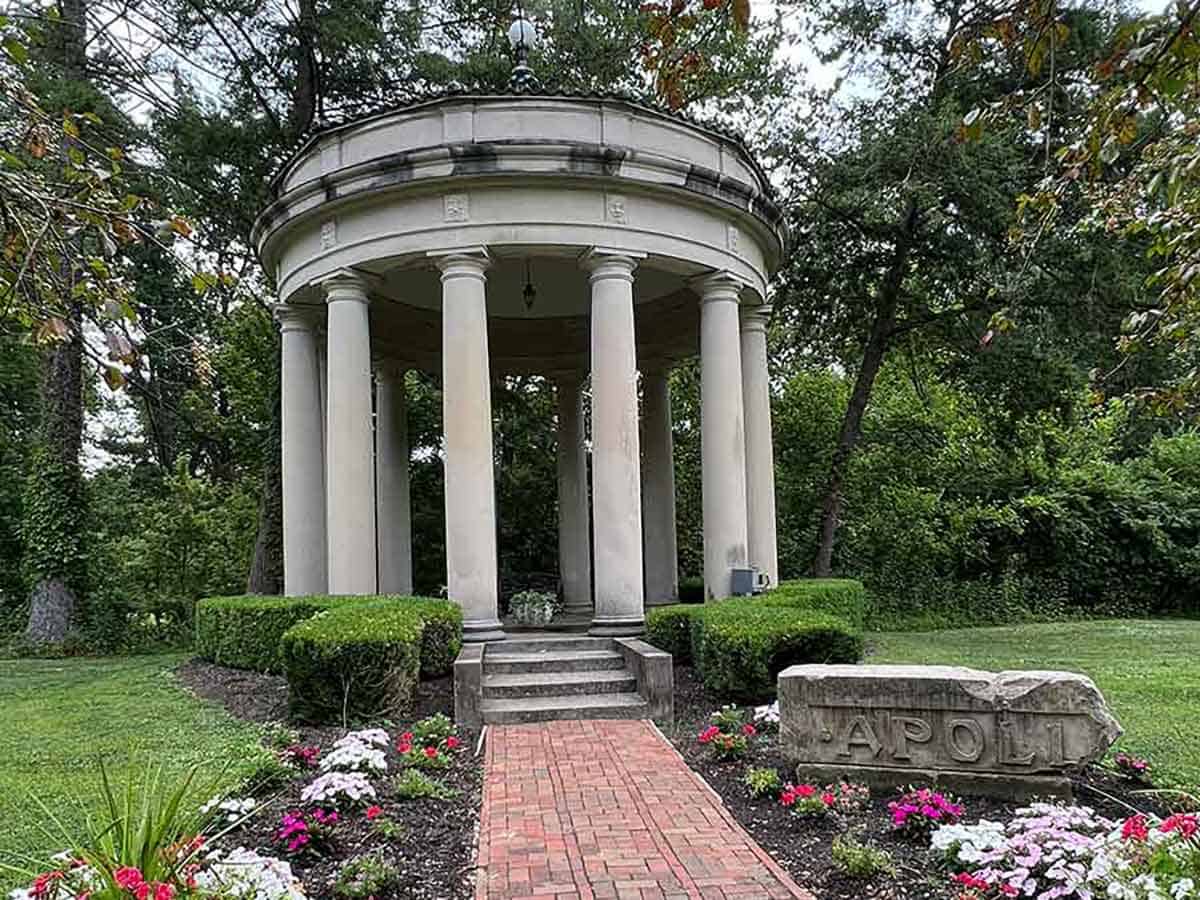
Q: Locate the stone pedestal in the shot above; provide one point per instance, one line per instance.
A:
(1012, 734)
(616, 482)
(471, 576)
(350, 464)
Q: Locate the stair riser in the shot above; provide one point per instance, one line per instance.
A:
(533, 664)
(517, 716)
(553, 688)
(555, 645)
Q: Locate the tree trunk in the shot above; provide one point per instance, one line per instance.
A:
(882, 326)
(266, 566)
(53, 538)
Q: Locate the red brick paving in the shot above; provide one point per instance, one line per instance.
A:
(609, 810)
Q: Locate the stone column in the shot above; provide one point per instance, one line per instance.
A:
(303, 456)
(322, 367)
(616, 488)
(467, 419)
(658, 487)
(722, 434)
(350, 466)
(393, 509)
(760, 455)
(574, 540)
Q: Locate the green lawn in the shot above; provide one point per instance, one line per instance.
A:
(59, 717)
(1149, 671)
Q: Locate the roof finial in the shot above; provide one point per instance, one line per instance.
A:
(523, 37)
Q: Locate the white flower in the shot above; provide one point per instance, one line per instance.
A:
(352, 755)
(1185, 887)
(234, 809)
(246, 875)
(768, 715)
(335, 786)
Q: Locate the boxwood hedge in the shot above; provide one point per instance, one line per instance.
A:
(351, 662)
(740, 645)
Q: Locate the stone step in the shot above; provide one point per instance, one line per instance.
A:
(551, 661)
(542, 709)
(549, 684)
(542, 643)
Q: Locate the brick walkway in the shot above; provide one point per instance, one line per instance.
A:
(609, 809)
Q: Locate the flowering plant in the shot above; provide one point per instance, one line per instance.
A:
(1132, 766)
(243, 874)
(301, 756)
(376, 737)
(432, 757)
(232, 809)
(430, 731)
(338, 788)
(310, 832)
(918, 812)
(1153, 859)
(726, 745)
(811, 800)
(766, 718)
(351, 755)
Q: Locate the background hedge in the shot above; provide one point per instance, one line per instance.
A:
(739, 646)
(353, 662)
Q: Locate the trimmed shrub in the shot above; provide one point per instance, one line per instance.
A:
(842, 597)
(353, 662)
(245, 632)
(740, 646)
(669, 628)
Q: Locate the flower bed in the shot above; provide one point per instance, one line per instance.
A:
(844, 843)
(339, 818)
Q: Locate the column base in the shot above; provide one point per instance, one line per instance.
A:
(483, 631)
(617, 627)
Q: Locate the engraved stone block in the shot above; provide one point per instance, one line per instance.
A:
(1009, 734)
(328, 233)
(456, 207)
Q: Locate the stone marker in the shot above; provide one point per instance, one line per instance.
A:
(1012, 734)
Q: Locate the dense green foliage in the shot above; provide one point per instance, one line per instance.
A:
(738, 646)
(247, 632)
(1148, 671)
(350, 663)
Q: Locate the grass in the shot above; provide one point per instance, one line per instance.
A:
(1148, 671)
(59, 717)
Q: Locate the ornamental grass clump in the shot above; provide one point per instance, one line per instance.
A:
(918, 812)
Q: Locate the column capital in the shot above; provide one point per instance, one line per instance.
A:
(295, 318)
(755, 318)
(605, 262)
(462, 262)
(720, 285)
(345, 284)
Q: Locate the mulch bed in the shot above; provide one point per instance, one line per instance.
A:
(434, 849)
(803, 846)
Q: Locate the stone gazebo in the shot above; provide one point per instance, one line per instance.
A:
(478, 235)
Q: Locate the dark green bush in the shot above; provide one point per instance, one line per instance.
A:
(359, 661)
(740, 646)
(669, 628)
(245, 632)
(691, 589)
(842, 597)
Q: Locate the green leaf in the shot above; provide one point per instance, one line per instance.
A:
(16, 51)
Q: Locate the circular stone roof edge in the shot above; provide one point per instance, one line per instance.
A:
(313, 135)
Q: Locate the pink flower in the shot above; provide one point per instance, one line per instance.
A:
(708, 734)
(1009, 891)
(452, 743)
(966, 879)
(1186, 824)
(373, 812)
(404, 747)
(406, 738)
(804, 791)
(749, 730)
(127, 878)
(828, 799)
(431, 752)
(142, 891)
(41, 884)
(1135, 828)
(163, 891)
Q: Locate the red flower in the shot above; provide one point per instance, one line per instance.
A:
(749, 730)
(406, 738)
(373, 812)
(404, 747)
(431, 752)
(966, 879)
(1009, 891)
(1186, 824)
(452, 743)
(828, 799)
(142, 891)
(163, 891)
(127, 878)
(708, 734)
(804, 791)
(1135, 828)
(41, 884)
